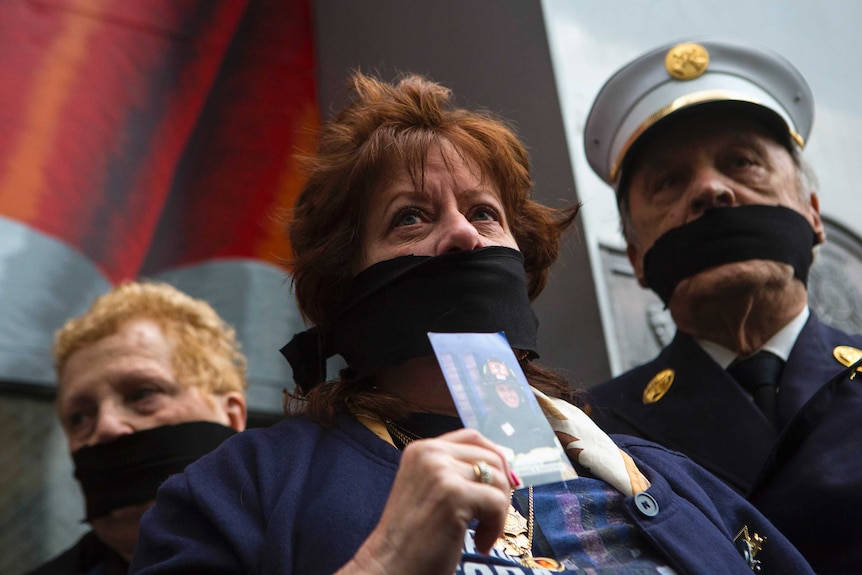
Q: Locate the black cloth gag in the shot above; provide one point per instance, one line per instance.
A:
(726, 235)
(392, 305)
(129, 470)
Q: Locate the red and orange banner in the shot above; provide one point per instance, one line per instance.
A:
(148, 136)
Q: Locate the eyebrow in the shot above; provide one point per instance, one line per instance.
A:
(398, 197)
(70, 402)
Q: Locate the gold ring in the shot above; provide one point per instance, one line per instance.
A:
(483, 473)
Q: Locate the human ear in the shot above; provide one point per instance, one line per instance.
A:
(637, 262)
(234, 406)
(816, 222)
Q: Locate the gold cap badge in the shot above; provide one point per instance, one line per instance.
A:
(847, 356)
(686, 61)
(658, 386)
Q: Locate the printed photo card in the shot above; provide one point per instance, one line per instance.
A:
(492, 395)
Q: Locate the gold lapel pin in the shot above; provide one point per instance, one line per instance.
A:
(847, 356)
(750, 546)
(658, 386)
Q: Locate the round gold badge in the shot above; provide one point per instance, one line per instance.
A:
(658, 386)
(847, 356)
(686, 61)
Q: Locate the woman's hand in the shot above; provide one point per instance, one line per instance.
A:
(436, 495)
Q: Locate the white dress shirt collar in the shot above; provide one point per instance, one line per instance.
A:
(780, 344)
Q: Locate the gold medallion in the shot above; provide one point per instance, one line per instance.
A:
(686, 61)
(515, 531)
(545, 563)
(658, 386)
(517, 539)
(750, 546)
(515, 522)
(847, 356)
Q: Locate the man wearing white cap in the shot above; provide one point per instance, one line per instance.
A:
(702, 142)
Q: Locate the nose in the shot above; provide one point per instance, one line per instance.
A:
(457, 233)
(709, 189)
(111, 423)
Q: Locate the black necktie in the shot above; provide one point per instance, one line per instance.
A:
(759, 375)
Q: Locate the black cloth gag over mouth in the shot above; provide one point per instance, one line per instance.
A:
(392, 305)
(129, 470)
(726, 235)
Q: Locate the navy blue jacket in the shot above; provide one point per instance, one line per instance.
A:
(300, 499)
(807, 480)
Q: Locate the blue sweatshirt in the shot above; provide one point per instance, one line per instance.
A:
(297, 498)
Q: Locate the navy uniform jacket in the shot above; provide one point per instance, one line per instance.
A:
(807, 479)
(298, 498)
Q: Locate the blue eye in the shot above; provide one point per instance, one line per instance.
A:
(407, 216)
(485, 215)
(407, 219)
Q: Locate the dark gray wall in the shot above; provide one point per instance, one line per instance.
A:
(493, 54)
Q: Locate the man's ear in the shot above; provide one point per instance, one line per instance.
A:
(233, 403)
(816, 222)
(637, 261)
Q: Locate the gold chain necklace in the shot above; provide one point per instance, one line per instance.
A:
(517, 539)
(402, 435)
